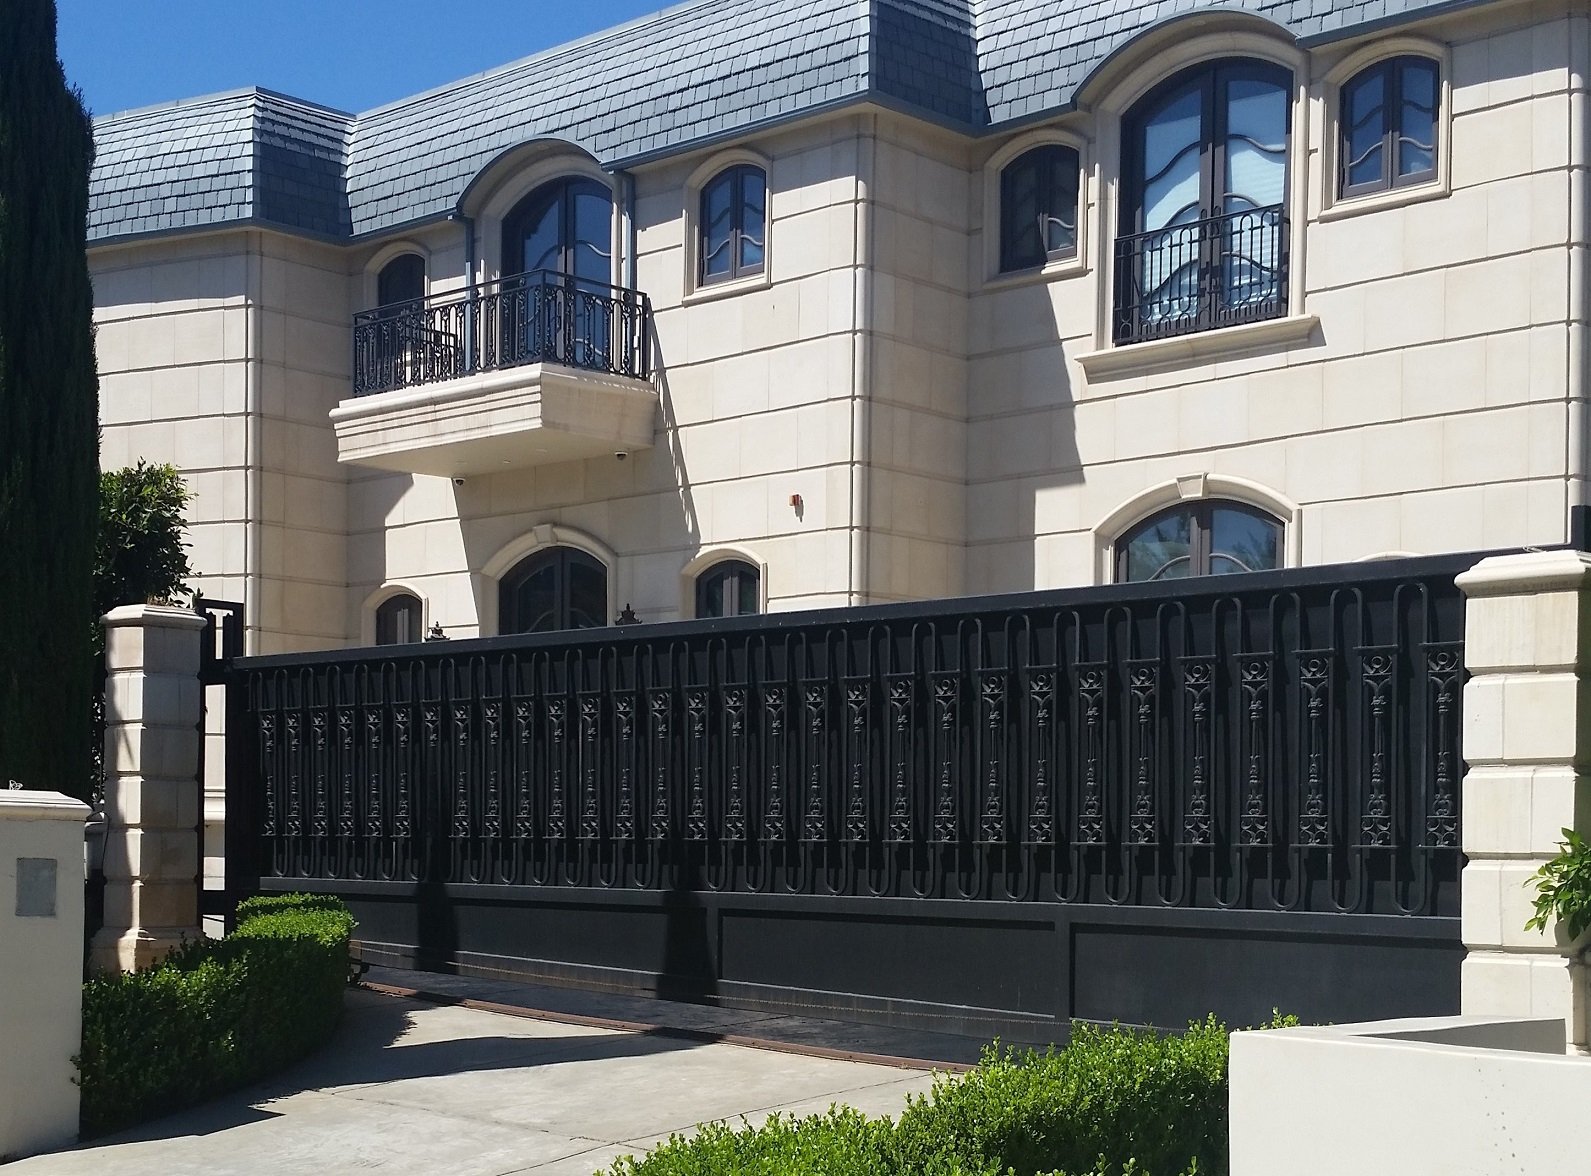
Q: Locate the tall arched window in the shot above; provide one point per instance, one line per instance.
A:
(734, 224)
(398, 620)
(732, 588)
(1203, 238)
(555, 303)
(565, 227)
(559, 588)
(401, 280)
(1205, 538)
(1387, 126)
(1038, 208)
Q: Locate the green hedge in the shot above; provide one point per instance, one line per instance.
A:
(214, 1015)
(1114, 1102)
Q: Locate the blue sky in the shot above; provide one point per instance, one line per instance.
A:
(350, 54)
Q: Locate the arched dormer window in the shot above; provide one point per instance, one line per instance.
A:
(1209, 537)
(401, 280)
(732, 588)
(398, 620)
(1203, 237)
(733, 224)
(556, 588)
(1038, 208)
(1388, 117)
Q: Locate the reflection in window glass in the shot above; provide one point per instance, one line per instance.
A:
(728, 589)
(1038, 208)
(1208, 538)
(560, 588)
(398, 620)
(1388, 126)
(733, 224)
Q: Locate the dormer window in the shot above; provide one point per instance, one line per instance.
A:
(734, 224)
(1038, 208)
(1388, 126)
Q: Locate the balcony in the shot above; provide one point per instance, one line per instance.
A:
(533, 369)
(1222, 271)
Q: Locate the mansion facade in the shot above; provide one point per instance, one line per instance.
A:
(762, 305)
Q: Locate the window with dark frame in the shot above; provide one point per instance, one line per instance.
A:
(1387, 126)
(559, 588)
(398, 620)
(1202, 241)
(1038, 208)
(732, 588)
(401, 280)
(734, 220)
(1210, 537)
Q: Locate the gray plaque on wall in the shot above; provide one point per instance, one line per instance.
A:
(35, 888)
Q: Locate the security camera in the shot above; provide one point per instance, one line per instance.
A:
(620, 454)
(458, 481)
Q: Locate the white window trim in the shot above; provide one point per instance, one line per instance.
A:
(539, 538)
(695, 289)
(993, 226)
(1270, 46)
(561, 162)
(1335, 207)
(367, 613)
(710, 558)
(1194, 487)
(371, 280)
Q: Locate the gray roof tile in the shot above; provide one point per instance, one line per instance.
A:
(700, 71)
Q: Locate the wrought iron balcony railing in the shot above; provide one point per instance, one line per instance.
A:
(1215, 272)
(540, 317)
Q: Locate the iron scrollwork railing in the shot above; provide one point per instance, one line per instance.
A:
(1216, 272)
(540, 317)
(1274, 741)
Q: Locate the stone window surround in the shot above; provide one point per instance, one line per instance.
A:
(558, 161)
(367, 610)
(994, 167)
(538, 538)
(1334, 206)
(711, 557)
(371, 275)
(695, 289)
(1194, 487)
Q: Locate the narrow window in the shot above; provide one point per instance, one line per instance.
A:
(401, 280)
(1387, 126)
(734, 221)
(398, 620)
(1208, 538)
(1038, 208)
(728, 589)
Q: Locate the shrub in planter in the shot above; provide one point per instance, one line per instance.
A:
(214, 1015)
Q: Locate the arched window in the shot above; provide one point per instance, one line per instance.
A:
(734, 223)
(1038, 208)
(729, 589)
(1203, 238)
(1205, 538)
(401, 280)
(559, 588)
(1387, 124)
(398, 620)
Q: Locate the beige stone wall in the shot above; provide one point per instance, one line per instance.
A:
(1427, 411)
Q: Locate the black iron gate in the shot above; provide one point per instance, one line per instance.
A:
(1138, 803)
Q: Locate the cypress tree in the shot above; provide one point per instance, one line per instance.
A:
(49, 410)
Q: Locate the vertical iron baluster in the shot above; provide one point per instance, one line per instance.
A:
(734, 827)
(1143, 684)
(590, 753)
(858, 697)
(696, 805)
(524, 770)
(1198, 686)
(1378, 670)
(662, 818)
(1091, 681)
(557, 720)
(815, 827)
(773, 818)
(947, 696)
(1254, 677)
(1314, 685)
(1444, 668)
(1041, 814)
(900, 805)
(491, 751)
(991, 815)
(624, 814)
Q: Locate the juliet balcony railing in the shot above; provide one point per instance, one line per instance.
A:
(1220, 271)
(540, 317)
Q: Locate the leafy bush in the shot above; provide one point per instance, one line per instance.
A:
(1114, 1102)
(1563, 887)
(214, 1015)
(140, 555)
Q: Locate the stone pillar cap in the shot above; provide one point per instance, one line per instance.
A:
(29, 805)
(1526, 573)
(153, 616)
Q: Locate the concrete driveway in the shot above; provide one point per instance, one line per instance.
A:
(411, 1087)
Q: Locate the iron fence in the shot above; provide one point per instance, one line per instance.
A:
(540, 317)
(1216, 272)
(1275, 741)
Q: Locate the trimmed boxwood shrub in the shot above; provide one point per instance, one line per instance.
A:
(1114, 1102)
(214, 1015)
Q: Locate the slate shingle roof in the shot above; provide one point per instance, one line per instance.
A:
(701, 71)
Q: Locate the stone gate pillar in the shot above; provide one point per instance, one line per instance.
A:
(1527, 745)
(153, 704)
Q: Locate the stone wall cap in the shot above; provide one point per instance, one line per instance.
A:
(1526, 573)
(153, 616)
(29, 805)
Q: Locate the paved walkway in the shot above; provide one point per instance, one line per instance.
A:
(414, 1087)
